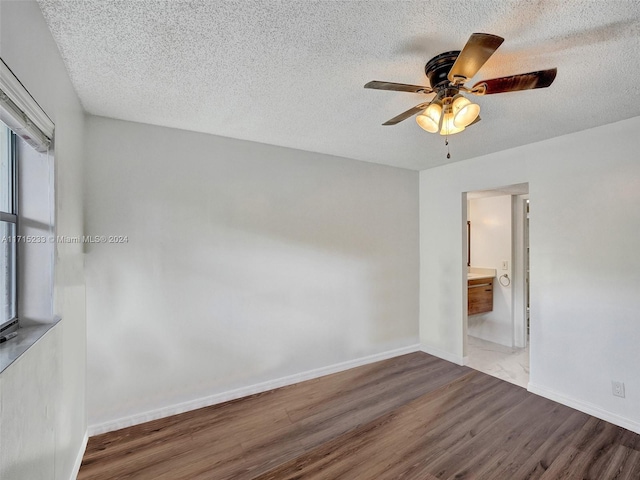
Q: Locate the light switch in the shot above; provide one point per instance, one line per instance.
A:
(505, 264)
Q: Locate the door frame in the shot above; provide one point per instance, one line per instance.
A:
(518, 264)
(519, 251)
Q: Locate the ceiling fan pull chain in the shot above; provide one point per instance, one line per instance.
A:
(446, 142)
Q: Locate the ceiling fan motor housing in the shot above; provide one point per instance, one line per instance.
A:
(438, 68)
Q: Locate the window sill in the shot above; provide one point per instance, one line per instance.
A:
(12, 349)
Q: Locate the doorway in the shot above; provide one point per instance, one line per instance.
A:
(496, 339)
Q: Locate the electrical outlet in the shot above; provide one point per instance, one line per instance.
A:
(618, 389)
(505, 264)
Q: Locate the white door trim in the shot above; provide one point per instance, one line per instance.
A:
(519, 310)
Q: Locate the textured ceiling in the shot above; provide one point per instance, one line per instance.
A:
(291, 73)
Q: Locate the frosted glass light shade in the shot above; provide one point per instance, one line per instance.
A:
(448, 125)
(464, 112)
(429, 120)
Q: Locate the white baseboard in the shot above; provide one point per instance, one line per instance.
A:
(585, 407)
(78, 462)
(450, 357)
(245, 391)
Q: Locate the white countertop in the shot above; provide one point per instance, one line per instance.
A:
(476, 276)
(475, 273)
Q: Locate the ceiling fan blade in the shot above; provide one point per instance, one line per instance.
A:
(514, 83)
(473, 56)
(398, 87)
(409, 113)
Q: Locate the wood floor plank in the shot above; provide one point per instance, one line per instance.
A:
(623, 465)
(366, 442)
(410, 417)
(592, 452)
(515, 438)
(533, 467)
(487, 446)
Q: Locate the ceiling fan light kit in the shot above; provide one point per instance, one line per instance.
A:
(450, 116)
(449, 112)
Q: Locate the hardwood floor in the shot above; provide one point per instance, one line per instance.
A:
(410, 417)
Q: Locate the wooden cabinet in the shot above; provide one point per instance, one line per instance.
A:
(480, 296)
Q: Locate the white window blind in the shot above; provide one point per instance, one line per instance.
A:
(20, 112)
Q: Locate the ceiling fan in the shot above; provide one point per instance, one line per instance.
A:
(449, 111)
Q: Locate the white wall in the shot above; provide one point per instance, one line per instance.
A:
(43, 393)
(490, 219)
(29, 396)
(585, 267)
(245, 263)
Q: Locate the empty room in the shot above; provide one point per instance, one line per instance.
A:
(287, 239)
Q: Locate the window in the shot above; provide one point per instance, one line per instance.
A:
(8, 231)
(26, 287)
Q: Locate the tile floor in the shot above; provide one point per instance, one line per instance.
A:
(507, 363)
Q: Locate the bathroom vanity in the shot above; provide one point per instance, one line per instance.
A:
(480, 290)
